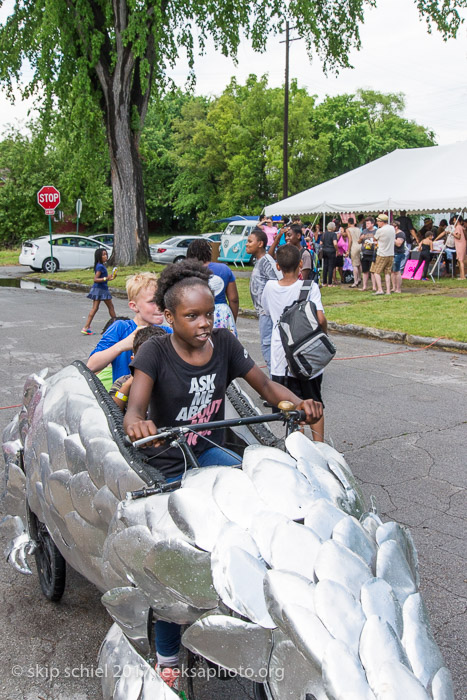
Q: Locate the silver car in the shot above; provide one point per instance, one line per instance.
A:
(106, 238)
(174, 249)
(69, 252)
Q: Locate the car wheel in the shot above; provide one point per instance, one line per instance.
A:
(51, 566)
(180, 257)
(50, 265)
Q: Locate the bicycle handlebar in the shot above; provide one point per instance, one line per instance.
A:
(287, 413)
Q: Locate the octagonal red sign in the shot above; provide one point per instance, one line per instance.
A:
(48, 198)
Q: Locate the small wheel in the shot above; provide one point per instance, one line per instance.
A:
(51, 566)
(50, 265)
(259, 692)
(180, 257)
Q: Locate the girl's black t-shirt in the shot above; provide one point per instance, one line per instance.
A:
(185, 393)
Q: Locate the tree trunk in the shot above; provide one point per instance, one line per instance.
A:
(122, 99)
(130, 223)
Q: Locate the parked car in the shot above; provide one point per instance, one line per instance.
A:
(68, 252)
(174, 249)
(106, 238)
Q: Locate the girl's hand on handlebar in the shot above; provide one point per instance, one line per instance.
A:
(313, 410)
(141, 429)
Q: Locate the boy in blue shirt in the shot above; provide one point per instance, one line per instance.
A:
(116, 345)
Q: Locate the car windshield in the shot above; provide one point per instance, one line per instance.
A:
(235, 230)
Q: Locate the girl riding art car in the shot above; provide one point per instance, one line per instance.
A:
(276, 570)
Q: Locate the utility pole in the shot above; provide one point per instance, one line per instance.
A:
(285, 146)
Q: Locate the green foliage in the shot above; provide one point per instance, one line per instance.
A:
(227, 156)
(24, 168)
(159, 163)
(359, 128)
(109, 56)
(75, 162)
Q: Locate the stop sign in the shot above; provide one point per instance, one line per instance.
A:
(49, 198)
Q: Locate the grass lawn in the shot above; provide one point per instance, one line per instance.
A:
(9, 256)
(87, 276)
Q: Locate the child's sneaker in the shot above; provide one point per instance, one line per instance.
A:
(87, 331)
(170, 675)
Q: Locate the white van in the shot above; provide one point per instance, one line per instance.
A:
(233, 242)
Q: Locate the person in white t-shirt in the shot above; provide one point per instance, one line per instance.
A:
(385, 237)
(277, 295)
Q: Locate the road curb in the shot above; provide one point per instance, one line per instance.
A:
(349, 329)
(381, 334)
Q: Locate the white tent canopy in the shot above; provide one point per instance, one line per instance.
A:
(412, 179)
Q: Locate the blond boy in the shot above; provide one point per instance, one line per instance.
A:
(116, 345)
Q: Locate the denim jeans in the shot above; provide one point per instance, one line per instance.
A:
(168, 633)
(265, 331)
(399, 262)
(408, 248)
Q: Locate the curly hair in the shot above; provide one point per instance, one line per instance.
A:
(200, 249)
(177, 277)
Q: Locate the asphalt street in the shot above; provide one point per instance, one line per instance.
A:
(399, 417)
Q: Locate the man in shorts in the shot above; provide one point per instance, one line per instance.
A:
(385, 237)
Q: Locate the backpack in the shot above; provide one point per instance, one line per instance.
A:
(307, 347)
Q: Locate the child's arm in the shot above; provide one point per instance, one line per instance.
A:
(232, 297)
(98, 278)
(322, 320)
(272, 249)
(102, 358)
(135, 423)
(274, 393)
(121, 395)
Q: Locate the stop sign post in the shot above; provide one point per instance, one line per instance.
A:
(48, 198)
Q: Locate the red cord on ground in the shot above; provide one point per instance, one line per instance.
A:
(382, 354)
(2, 408)
(395, 352)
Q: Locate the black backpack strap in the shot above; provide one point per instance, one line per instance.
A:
(305, 290)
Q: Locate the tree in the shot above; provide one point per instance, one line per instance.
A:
(228, 150)
(24, 168)
(65, 156)
(359, 128)
(157, 156)
(107, 55)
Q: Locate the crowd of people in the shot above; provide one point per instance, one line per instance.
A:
(346, 251)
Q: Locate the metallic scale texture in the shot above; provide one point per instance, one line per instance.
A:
(274, 568)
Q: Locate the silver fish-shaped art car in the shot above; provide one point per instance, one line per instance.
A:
(277, 571)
